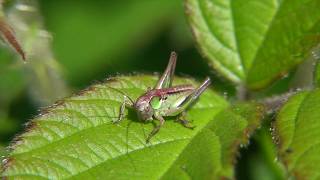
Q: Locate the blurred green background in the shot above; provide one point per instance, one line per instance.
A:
(92, 40)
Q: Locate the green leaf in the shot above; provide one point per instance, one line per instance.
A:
(298, 130)
(76, 138)
(254, 42)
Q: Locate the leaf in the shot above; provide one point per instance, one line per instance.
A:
(298, 130)
(76, 138)
(254, 42)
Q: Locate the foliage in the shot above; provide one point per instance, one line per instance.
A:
(297, 127)
(242, 38)
(79, 132)
(267, 45)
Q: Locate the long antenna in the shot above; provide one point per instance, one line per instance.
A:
(121, 92)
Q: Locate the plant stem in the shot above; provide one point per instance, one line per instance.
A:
(242, 92)
(274, 103)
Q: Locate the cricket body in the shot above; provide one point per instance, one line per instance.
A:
(165, 100)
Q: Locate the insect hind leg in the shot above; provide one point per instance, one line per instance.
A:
(182, 120)
(195, 94)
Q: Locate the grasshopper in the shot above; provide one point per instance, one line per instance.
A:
(164, 100)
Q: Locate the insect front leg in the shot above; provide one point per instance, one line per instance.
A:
(123, 106)
(182, 119)
(157, 128)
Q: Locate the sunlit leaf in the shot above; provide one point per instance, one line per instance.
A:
(76, 138)
(254, 42)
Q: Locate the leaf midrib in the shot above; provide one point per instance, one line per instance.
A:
(221, 42)
(236, 39)
(265, 37)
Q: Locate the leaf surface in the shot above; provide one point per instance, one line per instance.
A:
(254, 42)
(298, 130)
(76, 138)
